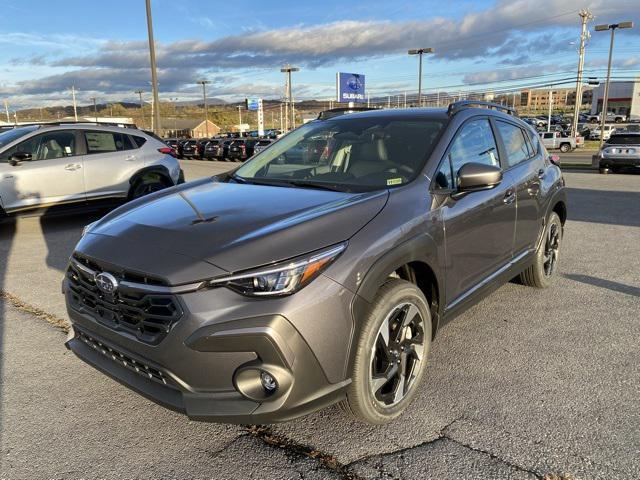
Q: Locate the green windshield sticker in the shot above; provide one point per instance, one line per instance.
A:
(394, 181)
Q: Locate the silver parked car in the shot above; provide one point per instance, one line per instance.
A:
(622, 150)
(49, 165)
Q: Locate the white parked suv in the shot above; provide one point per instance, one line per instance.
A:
(48, 165)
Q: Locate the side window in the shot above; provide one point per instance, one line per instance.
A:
(474, 143)
(514, 142)
(140, 141)
(47, 146)
(534, 140)
(101, 142)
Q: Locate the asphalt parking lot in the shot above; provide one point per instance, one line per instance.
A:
(527, 383)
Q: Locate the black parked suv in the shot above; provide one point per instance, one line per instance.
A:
(213, 150)
(282, 287)
(241, 149)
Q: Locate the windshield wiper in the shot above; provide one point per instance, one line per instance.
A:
(319, 185)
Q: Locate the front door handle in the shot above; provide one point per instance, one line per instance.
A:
(509, 196)
(130, 158)
(72, 166)
(541, 174)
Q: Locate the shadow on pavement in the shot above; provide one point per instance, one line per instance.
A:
(602, 283)
(604, 206)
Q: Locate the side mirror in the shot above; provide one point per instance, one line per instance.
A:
(19, 157)
(473, 177)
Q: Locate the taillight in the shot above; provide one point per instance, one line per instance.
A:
(244, 148)
(167, 151)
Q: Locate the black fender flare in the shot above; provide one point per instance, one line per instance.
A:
(421, 248)
(161, 169)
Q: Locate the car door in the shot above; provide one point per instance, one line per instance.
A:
(53, 175)
(479, 226)
(526, 164)
(111, 160)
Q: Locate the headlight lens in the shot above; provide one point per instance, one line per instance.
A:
(281, 279)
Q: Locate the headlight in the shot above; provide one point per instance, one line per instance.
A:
(87, 228)
(281, 279)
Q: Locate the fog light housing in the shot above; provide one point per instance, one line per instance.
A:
(260, 382)
(269, 383)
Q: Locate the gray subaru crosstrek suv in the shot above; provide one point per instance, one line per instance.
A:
(298, 281)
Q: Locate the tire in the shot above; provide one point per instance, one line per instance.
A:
(618, 120)
(542, 272)
(604, 170)
(380, 401)
(148, 183)
(565, 147)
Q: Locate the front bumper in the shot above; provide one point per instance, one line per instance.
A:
(207, 365)
(620, 161)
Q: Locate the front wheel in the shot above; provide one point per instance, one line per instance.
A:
(565, 147)
(391, 354)
(541, 273)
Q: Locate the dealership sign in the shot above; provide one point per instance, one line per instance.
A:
(253, 104)
(350, 87)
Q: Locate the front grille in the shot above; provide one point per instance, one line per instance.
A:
(147, 316)
(126, 360)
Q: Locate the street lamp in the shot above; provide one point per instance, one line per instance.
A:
(288, 69)
(605, 99)
(420, 51)
(206, 111)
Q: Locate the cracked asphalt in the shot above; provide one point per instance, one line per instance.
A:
(527, 383)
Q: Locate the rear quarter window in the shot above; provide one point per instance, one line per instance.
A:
(139, 141)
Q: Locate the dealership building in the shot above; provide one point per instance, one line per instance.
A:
(624, 98)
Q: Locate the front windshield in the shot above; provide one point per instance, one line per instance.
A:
(10, 135)
(349, 154)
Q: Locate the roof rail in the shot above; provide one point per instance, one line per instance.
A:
(79, 122)
(334, 112)
(455, 107)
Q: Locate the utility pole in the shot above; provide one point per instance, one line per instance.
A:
(140, 92)
(240, 118)
(95, 108)
(405, 99)
(281, 125)
(585, 15)
(288, 69)
(6, 109)
(75, 108)
(605, 99)
(154, 70)
(550, 106)
(389, 101)
(206, 111)
(420, 52)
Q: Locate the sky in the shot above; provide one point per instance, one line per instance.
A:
(101, 47)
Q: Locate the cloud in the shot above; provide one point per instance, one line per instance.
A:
(511, 32)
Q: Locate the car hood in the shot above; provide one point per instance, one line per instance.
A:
(236, 226)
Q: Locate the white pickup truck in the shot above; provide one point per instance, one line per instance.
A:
(611, 117)
(555, 141)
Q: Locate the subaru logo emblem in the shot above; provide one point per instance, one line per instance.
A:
(106, 282)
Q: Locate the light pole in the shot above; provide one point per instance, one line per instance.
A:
(419, 52)
(75, 108)
(287, 69)
(95, 108)
(240, 118)
(605, 99)
(154, 72)
(206, 111)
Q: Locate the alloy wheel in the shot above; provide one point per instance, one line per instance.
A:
(397, 355)
(551, 249)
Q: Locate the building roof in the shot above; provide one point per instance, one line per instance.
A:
(183, 123)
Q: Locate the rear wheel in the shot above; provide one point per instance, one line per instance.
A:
(565, 147)
(148, 183)
(391, 354)
(541, 273)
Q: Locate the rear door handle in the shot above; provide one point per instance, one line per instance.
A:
(541, 174)
(72, 166)
(509, 196)
(130, 158)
